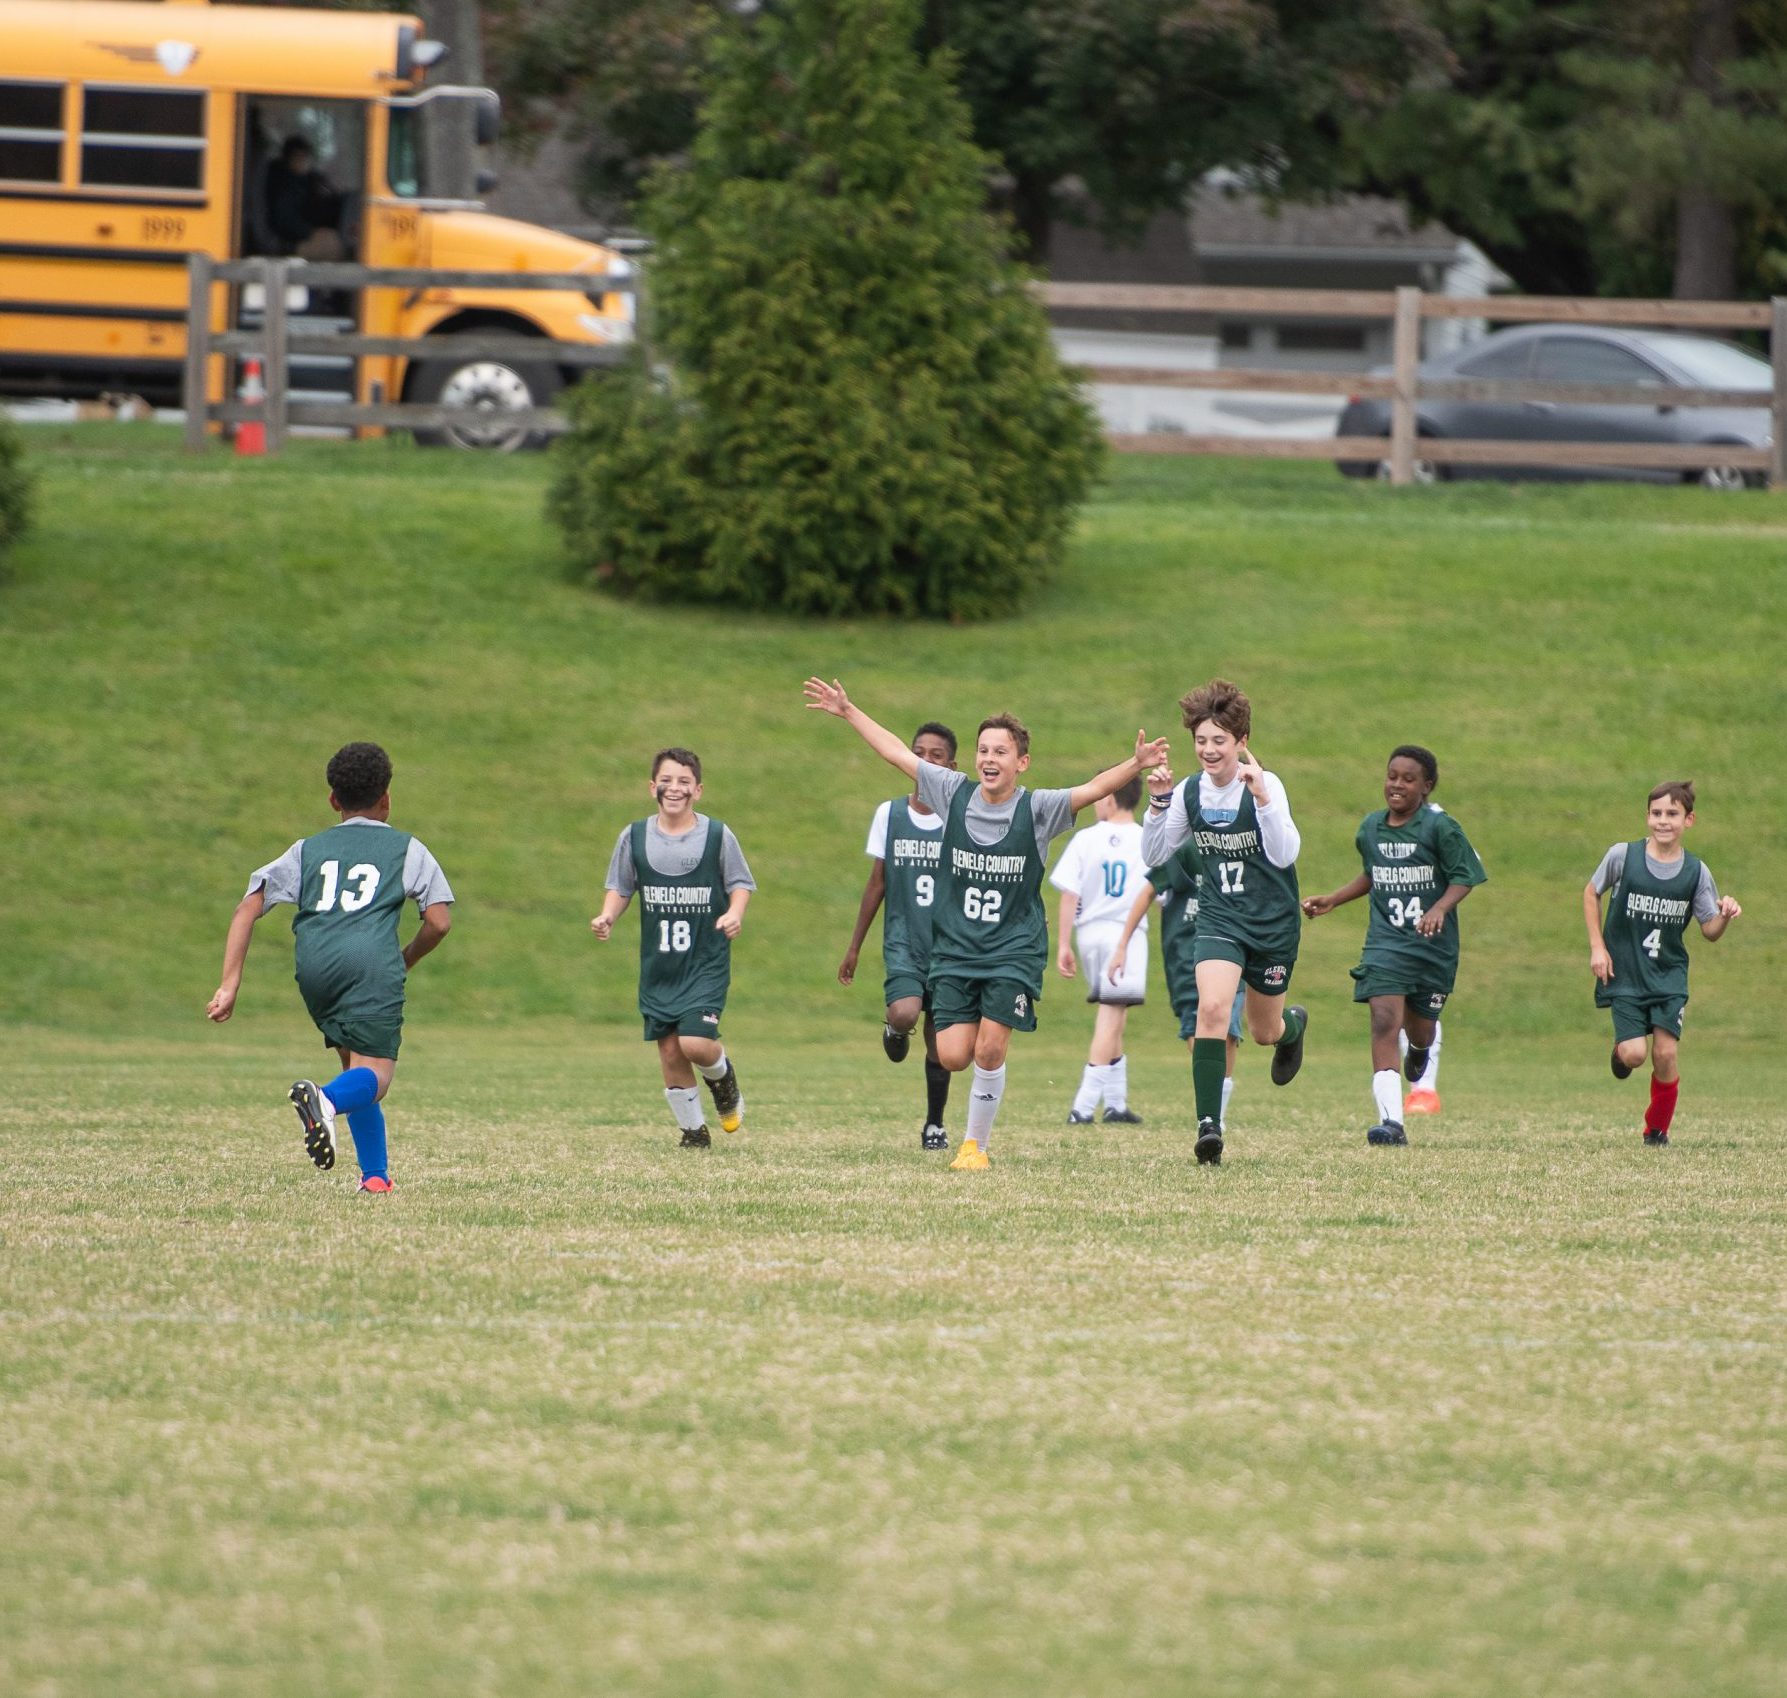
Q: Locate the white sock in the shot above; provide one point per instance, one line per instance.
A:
(983, 1103)
(1386, 1089)
(717, 1070)
(1116, 1084)
(1228, 1090)
(1085, 1099)
(1430, 1075)
(685, 1104)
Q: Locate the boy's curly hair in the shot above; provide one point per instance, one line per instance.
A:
(1425, 759)
(1221, 701)
(359, 773)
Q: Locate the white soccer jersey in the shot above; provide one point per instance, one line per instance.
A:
(1103, 866)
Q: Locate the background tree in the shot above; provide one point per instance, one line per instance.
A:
(865, 413)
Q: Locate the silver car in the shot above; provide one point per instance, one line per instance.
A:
(1652, 362)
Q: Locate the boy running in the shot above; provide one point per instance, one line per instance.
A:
(910, 835)
(348, 885)
(1098, 869)
(990, 935)
(1175, 886)
(1418, 866)
(693, 885)
(1237, 819)
(1640, 958)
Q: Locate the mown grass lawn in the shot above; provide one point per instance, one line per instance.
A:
(575, 1411)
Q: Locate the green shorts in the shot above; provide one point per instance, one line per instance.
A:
(1633, 1018)
(957, 1002)
(695, 1023)
(362, 1024)
(1424, 1000)
(1187, 1011)
(896, 987)
(1270, 975)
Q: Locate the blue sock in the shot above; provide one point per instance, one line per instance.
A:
(356, 1088)
(368, 1127)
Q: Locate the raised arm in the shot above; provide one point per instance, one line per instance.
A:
(830, 698)
(1147, 754)
(235, 954)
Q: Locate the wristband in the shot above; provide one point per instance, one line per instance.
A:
(1165, 801)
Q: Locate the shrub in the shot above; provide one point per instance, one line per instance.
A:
(864, 412)
(16, 484)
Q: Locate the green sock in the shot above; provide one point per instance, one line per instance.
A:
(1209, 1061)
(1293, 1027)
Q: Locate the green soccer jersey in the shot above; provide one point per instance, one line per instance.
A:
(685, 960)
(1409, 867)
(1179, 881)
(989, 922)
(1646, 930)
(1245, 898)
(911, 865)
(350, 893)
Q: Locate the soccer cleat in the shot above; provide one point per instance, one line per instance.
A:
(896, 1044)
(1387, 1132)
(376, 1183)
(316, 1114)
(696, 1138)
(728, 1104)
(1414, 1064)
(934, 1138)
(1651, 1137)
(1122, 1117)
(1422, 1102)
(1209, 1144)
(1287, 1058)
(971, 1158)
(1620, 1069)
(1075, 1118)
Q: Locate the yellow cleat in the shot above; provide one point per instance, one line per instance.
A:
(729, 1104)
(1422, 1102)
(971, 1158)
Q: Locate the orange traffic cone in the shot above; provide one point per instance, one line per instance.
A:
(251, 434)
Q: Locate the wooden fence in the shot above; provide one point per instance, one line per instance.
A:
(1404, 388)
(274, 343)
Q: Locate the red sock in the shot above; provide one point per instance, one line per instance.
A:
(1662, 1105)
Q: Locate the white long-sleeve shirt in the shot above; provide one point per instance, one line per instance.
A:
(1166, 828)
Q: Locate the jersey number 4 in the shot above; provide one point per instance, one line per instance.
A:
(1653, 945)
(361, 886)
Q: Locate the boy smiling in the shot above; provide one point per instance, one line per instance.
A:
(1237, 818)
(990, 937)
(693, 885)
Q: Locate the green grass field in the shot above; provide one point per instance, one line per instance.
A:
(574, 1411)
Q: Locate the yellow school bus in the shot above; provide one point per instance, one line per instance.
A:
(135, 134)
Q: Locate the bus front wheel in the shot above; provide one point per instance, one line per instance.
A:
(488, 389)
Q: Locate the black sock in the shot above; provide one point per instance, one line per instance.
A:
(936, 1091)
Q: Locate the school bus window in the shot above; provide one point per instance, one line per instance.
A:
(31, 132)
(142, 138)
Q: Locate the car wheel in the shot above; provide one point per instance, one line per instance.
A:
(1424, 470)
(490, 388)
(1727, 477)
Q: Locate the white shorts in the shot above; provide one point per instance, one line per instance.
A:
(1097, 944)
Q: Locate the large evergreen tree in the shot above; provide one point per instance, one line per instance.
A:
(863, 411)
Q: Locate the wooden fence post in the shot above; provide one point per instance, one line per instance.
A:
(195, 388)
(1777, 353)
(1406, 352)
(273, 331)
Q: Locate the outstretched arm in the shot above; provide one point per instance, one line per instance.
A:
(1147, 754)
(235, 953)
(437, 921)
(872, 892)
(830, 698)
(1315, 906)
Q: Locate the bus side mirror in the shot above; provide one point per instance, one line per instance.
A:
(487, 180)
(489, 122)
